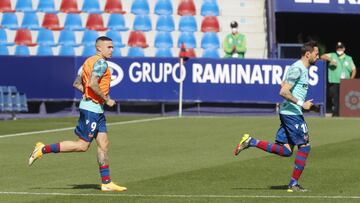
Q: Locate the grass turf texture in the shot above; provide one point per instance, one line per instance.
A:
(190, 156)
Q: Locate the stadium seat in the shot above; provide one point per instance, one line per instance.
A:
(23, 37)
(67, 37)
(4, 50)
(163, 7)
(163, 40)
(117, 22)
(23, 102)
(89, 37)
(4, 39)
(210, 40)
(51, 22)
(163, 52)
(187, 24)
(95, 22)
(30, 21)
(91, 6)
(136, 52)
(24, 6)
(189, 53)
(211, 53)
(89, 50)
(45, 37)
(210, 24)
(114, 6)
(66, 50)
(22, 50)
(209, 8)
(9, 20)
(11, 89)
(137, 39)
(1, 100)
(116, 38)
(140, 7)
(46, 6)
(165, 23)
(73, 22)
(116, 52)
(188, 38)
(7, 102)
(186, 7)
(142, 22)
(44, 50)
(69, 6)
(5, 6)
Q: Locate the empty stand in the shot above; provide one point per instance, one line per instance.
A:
(89, 37)
(210, 24)
(187, 24)
(5, 6)
(44, 50)
(22, 50)
(91, 6)
(89, 50)
(163, 40)
(211, 53)
(24, 6)
(10, 21)
(69, 6)
(30, 21)
(23, 37)
(116, 52)
(66, 50)
(209, 8)
(137, 39)
(51, 21)
(186, 7)
(163, 7)
(140, 7)
(95, 22)
(165, 23)
(135, 52)
(67, 38)
(210, 40)
(4, 50)
(163, 52)
(117, 22)
(142, 22)
(73, 22)
(4, 39)
(188, 38)
(46, 6)
(114, 6)
(116, 38)
(45, 37)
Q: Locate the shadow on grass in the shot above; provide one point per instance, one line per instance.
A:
(72, 187)
(275, 187)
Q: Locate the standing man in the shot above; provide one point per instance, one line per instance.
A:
(94, 83)
(341, 66)
(234, 43)
(293, 129)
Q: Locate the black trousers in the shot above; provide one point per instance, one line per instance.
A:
(334, 94)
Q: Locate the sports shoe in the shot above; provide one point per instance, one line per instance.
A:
(296, 188)
(112, 187)
(37, 153)
(243, 144)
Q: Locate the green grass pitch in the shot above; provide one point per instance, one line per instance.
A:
(185, 159)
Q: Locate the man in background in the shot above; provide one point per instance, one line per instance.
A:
(234, 43)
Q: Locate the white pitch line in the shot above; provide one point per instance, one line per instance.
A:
(182, 196)
(72, 128)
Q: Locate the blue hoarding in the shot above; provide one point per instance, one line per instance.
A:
(318, 6)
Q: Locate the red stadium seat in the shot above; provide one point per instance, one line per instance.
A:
(69, 6)
(95, 22)
(51, 22)
(210, 24)
(5, 6)
(23, 37)
(186, 7)
(137, 39)
(114, 6)
(186, 53)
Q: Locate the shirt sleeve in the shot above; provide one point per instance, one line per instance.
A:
(293, 75)
(100, 68)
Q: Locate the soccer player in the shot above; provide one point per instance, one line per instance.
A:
(94, 83)
(293, 129)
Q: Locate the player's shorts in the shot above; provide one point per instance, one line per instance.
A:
(90, 124)
(293, 130)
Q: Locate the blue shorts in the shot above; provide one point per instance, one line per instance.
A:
(293, 130)
(89, 124)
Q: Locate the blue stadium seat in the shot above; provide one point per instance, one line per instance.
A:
(209, 8)
(116, 52)
(4, 39)
(187, 24)
(211, 53)
(67, 50)
(7, 102)
(91, 6)
(44, 50)
(4, 50)
(9, 20)
(163, 52)
(22, 50)
(46, 6)
(89, 37)
(89, 50)
(73, 22)
(142, 22)
(67, 37)
(117, 22)
(45, 37)
(136, 52)
(165, 23)
(188, 38)
(24, 6)
(30, 21)
(20, 102)
(140, 7)
(163, 40)
(11, 89)
(163, 7)
(116, 38)
(1, 99)
(210, 40)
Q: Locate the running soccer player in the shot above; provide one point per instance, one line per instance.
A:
(94, 83)
(293, 129)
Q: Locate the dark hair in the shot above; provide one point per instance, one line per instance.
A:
(103, 38)
(308, 47)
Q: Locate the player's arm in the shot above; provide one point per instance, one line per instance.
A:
(286, 94)
(78, 84)
(327, 58)
(353, 70)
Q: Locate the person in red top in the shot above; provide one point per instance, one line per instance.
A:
(94, 83)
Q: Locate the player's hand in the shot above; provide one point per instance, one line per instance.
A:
(333, 63)
(110, 102)
(308, 104)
